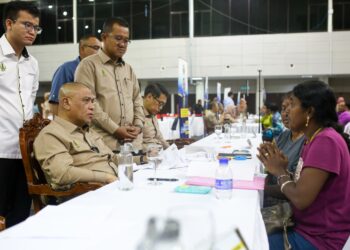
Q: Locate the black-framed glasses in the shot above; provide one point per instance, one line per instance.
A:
(29, 26)
(160, 103)
(94, 47)
(120, 39)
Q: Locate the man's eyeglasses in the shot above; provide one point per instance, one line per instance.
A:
(94, 47)
(160, 103)
(29, 27)
(120, 39)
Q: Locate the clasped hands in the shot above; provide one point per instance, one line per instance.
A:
(128, 132)
(273, 159)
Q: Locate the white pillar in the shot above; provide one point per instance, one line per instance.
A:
(172, 103)
(200, 91)
(324, 79)
(259, 92)
(330, 16)
(75, 21)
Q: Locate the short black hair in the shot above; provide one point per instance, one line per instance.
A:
(230, 94)
(85, 38)
(108, 24)
(12, 8)
(155, 89)
(272, 106)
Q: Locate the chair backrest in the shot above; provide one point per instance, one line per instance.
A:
(38, 187)
(27, 135)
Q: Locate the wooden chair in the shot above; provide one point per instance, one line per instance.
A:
(37, 184)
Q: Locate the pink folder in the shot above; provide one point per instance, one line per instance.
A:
(257, 183)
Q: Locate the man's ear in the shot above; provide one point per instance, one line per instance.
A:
(66, 103)
(8, 24)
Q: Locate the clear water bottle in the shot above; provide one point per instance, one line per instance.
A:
(125, 170)
(223, 180)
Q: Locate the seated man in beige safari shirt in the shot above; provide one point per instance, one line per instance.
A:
(67, 150)
(154, 99)
(119, 110)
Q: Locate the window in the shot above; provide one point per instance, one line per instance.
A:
(278, 16)
(220, 18)
(258, 16)
(141, 19)
(239, 17)
(298, 16)
(160, 18)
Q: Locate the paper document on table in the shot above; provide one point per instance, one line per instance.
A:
(241, 170)
(60, 222)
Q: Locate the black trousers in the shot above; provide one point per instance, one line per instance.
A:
(15, 201)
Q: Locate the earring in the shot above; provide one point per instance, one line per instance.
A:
(307, 121)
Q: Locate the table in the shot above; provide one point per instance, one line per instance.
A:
(108, 218)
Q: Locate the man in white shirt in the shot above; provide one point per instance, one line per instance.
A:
(19, 75)
(229, 100)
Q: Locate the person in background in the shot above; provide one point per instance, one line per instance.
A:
(343, 112)
(242, 108)
(228, 100)
(198, 108)
(45, 107)
(19, 83)
(67, 149)
(271, 122)
(88, 45)
(266, 119)
(290, 142)
(119, 113)
(211, 117)
(319, 191)
(155, 97)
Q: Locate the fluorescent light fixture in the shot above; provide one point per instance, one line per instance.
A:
(50, 6)
(306, 76)
(197, 78)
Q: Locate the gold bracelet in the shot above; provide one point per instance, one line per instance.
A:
(285, 183)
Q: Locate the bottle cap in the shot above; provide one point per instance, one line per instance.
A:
(223, 161)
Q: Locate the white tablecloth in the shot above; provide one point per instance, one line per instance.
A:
(111, 219)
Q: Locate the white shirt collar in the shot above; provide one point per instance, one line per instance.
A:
(7, 48)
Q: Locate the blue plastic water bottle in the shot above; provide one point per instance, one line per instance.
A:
(223, 180)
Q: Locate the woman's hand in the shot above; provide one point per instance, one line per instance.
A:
(274, 160)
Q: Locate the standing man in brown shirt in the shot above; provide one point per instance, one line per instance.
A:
(118, 109)
(67, 149)
(155, 97)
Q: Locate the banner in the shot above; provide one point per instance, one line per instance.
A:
(183, 101)
(184, 123)
(182, 83)
(218, 91)
(206, 94)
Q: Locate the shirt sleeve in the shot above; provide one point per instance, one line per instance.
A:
(325, 154)
(36, 82)
(60, 77)
(139, 116)
(57, 163)
(85, 74)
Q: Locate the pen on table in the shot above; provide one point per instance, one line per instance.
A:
(163, 179)
(241, 238)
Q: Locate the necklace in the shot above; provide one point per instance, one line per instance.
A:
(314, 135)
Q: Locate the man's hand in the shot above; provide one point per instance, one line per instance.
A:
(123, 133)
(134, 130)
